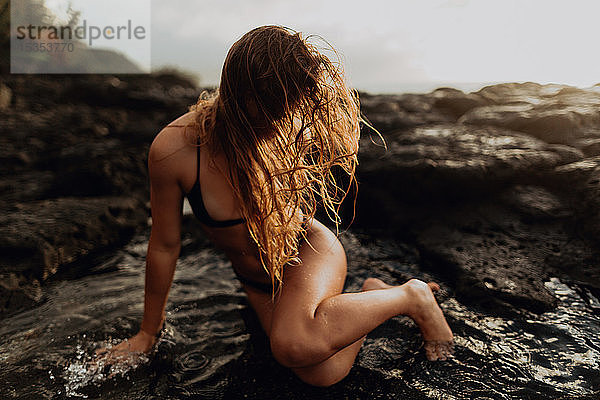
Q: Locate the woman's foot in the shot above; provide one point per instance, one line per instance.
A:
(424, 310)
(373, 284)
(376, 283)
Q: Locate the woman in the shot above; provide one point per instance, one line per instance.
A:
(254, 159)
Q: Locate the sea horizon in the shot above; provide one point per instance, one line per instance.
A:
(428, 87)
(466, 87)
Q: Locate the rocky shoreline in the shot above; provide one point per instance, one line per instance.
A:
(496, 191)
(73, 153)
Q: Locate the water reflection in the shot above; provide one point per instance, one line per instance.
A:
(212, 346)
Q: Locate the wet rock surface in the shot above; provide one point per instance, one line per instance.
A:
(553, 113)
(497, 190)
(39, 237)
(73, 180)
(213, 346)
(495, 194)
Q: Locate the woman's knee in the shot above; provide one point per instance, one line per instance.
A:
(327, 373)
(310, 361)
(295, 350)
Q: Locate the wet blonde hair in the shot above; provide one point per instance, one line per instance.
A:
(285, 120)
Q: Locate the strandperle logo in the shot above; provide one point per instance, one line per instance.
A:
(82, 32)
(80, 36)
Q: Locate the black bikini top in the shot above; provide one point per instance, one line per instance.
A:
(195, 198)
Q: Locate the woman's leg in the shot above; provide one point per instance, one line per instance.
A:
(325, 373)
(317, 331)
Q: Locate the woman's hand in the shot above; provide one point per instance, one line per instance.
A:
(142, 342)
(121, 358)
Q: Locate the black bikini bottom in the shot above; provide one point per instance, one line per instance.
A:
(261, 286)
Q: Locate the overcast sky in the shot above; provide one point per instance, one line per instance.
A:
(397, 45)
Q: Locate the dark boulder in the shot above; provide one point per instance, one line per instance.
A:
(441, 164)
(39, 237)
(589, 146)
(454, 102)
(391, 112)
(499, 253)
(552, 113)
(493, 211)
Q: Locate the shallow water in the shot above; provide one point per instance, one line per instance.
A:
(212, 346)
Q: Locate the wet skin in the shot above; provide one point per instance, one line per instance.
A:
(314, 328)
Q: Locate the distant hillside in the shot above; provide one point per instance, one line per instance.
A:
(83, 60)
(96, 60)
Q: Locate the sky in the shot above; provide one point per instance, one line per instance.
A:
(112, 13)
(391, 46)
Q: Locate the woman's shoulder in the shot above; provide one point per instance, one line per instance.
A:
(176, 136)
(172, 154)
(185, 120)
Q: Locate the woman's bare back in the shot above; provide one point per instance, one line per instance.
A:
(217, 196)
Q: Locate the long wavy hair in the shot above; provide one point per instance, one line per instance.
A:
(287, 123)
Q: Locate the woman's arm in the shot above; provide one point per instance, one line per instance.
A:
(166, 199)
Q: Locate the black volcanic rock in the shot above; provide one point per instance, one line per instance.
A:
(393, 112)
(456, 103)
(494, 211)
(25, 186)
(498, 189)
(101, 168)
(39, 237)
(553, 113)
(495, 251)
(451, 162)
(589, 146)
(389, 112)
(68, 145)
(576, 173)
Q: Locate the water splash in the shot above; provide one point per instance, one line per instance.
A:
(210, 350)
(88, 369)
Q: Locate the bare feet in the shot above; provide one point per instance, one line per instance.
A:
(424, 310)
(376, 283)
